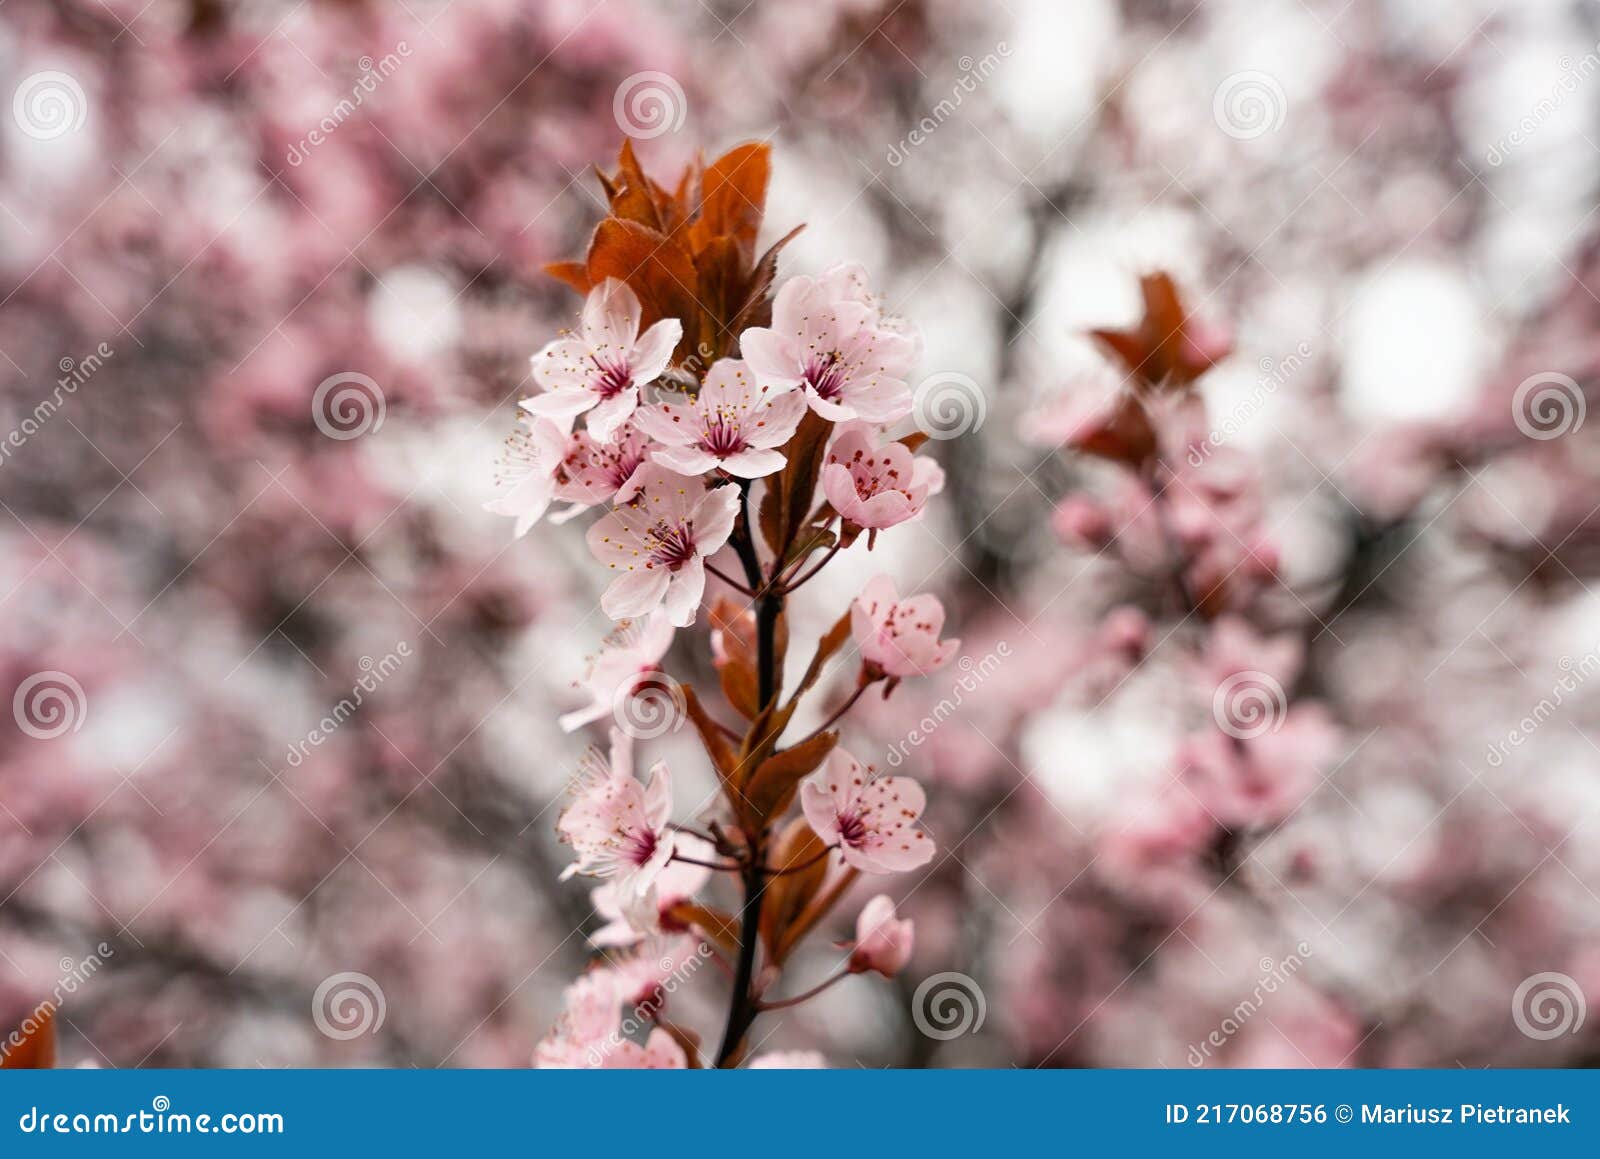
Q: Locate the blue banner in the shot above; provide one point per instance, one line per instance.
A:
(916, 1113)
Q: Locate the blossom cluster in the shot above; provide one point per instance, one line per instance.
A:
(787, 427)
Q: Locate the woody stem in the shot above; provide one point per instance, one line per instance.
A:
(743, 1009)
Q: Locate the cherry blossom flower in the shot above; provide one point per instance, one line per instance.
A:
(588, 1034)
(588, 1019)
(600, 369)
(827, 341)
(616, 825)
(877, 488)
(629, 656)
(732, 423)
(899, 637)
(788, 1060)
(871, 819)
(883, 941)
(594, 472)
(631, 917)
(658, 541)
(527, 471)
(660, 1052)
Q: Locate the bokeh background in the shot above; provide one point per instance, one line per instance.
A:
(1390, 203)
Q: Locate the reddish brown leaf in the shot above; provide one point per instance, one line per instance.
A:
(812, 914)
(574, 274)
(733, 197)
(789, 893)
(658, 270)
(719, 925)
(36, 1049)
(772, 786)
(721, 752)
